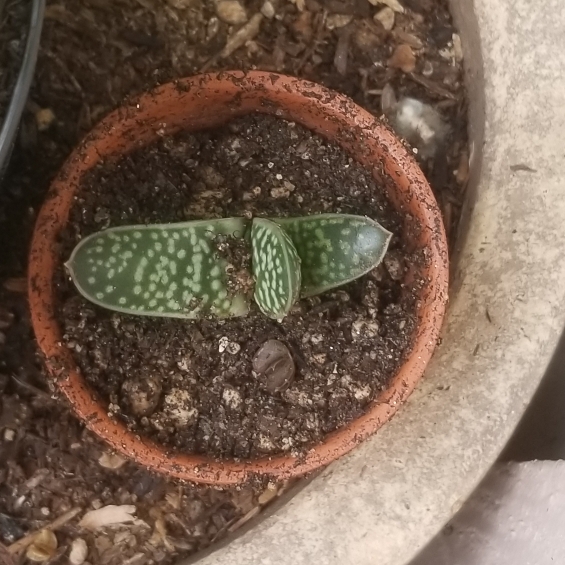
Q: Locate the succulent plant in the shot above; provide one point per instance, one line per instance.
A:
(178, 270)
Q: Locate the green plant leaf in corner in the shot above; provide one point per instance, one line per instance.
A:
(171, 270)
(276, 268)
(335, 248)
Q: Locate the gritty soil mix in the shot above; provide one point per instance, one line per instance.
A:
(190, 384)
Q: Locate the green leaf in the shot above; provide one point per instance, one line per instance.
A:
(171, 270)
(276, 267)
(335, 248)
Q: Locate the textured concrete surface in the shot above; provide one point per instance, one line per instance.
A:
(514, 518)
(385, 501)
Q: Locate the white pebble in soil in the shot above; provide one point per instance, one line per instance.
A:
(385, 17)
(142, 396)
(232, 398)
(317, 339)
(268, 10)
(232, 347)
(178, 405)
(394, 266)
(223, 344)
(231, 12)
(363, 329)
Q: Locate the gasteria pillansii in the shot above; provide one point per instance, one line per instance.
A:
(176, 270)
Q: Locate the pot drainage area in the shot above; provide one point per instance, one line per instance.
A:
(95, 54)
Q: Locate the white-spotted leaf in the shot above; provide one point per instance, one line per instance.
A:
(335, 248)
(170, 270)
(276, 268)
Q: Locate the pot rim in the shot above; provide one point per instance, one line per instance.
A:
(318, 109)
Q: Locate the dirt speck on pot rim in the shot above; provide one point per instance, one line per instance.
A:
(346, 344)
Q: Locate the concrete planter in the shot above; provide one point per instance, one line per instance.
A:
(390, 496)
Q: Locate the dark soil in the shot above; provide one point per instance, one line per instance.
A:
(346, 344)
(14, 26)
(94, 54)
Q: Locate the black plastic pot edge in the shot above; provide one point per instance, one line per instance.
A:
(23, 84)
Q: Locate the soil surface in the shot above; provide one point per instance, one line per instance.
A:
(94, 54)
(346, 344)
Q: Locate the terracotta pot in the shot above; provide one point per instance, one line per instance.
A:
(207, 101)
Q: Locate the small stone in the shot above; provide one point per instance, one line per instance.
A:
(393, 4)
(223, 344)
(79, 551)
(274, 366)
(385, 17)
(280, 192)
(212, 28)
(457, 48)
(393, 265)
(179, 406)
(231, 12)
(403, 58)
(142, 396)
(363, 329)
(360, 391)
(268, 10)
(44, 118)
(111, 461)
(336, 21)
(317, 338)
(43, 546)
(184, 364)
(319, 358)
(232, 398)
(233, 348)
(9, 435)
(265, 444)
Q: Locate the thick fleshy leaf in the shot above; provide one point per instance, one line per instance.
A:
(171, 270)
(276, 268)
(335, 248)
